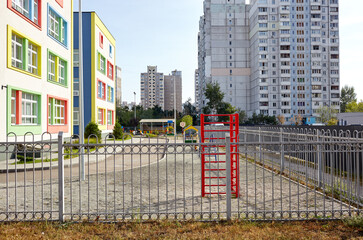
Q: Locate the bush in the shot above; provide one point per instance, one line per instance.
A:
(21, 158)
(92, 129)
(118, 132)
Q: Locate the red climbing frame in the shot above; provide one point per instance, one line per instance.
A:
(213, 170)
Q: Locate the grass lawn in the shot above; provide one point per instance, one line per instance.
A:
(182, 230)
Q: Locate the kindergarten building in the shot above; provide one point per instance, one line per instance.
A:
(98, 73)
(36, 67)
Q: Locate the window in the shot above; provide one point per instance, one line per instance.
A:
(101, 40)
(56, 112)
(75, 87)
(29, 109)
(76, 116)
(101, 63)
(111, 51)
(57, 27)
(109, 117)
(109, 70)
(109, 93)
(75, 58)
(30, 10)
(24, 55)
(101, 115)
(57, 69)
(101, 90)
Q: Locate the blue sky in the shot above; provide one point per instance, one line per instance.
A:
(164, 33)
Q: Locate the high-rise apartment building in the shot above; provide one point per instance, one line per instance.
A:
(293, 54)
(223, 54)
(36, 67)
(118, 86)
(99, 48)
(152, 88)
(169, 90)
(196, 89)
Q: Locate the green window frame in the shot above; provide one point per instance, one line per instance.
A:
(101, 63)
(28, 104)
(57, 69)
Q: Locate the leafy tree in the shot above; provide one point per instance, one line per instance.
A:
(326, 113)
(190, 109)
(261, 119)
(297, 120)
(332, 122)
(354, 107)
(242, 116)
(215, 97)
(281, 119)
(347, 96)
(92, 129)
(118, 132)
(188, 120)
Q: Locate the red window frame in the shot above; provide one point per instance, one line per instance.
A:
(110, 74)
(39, 25)
(104, 90)
(101, 40)
(103, 116)
(58, 128)
(110, 127)
(60, 2)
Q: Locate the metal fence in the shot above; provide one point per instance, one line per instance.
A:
(284, 175)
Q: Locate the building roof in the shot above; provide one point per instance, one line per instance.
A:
(156, 120)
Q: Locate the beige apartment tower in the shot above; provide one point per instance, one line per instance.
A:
(170, 80)
(152, 88)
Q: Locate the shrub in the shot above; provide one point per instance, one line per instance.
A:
(92, 129)
(118, 132)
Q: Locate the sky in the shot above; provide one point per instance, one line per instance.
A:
(164, 33)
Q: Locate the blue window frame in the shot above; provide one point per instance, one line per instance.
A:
(57, 27)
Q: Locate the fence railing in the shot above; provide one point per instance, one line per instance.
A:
(283, 176)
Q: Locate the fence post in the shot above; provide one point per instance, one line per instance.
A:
(282, 150)
(228, 177)
(260, 146)
(319, 159)
(61, 175)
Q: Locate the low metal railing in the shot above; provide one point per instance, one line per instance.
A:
(283, 176)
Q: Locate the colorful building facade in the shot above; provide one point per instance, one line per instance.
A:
(98, 73)
(36, 67)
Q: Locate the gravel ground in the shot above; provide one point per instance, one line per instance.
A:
(168, 188)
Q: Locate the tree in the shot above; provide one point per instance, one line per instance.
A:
(215, 97)
(92, 130)
(188, 120)
(118, 132)
(354, 107)
(297, 120)
(188, 108)
(242, 116)
(347, 96)
(326, 113)
(281, 119)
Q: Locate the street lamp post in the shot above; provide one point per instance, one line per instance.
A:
(135, 110)
(174, 109)
(81, 100)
